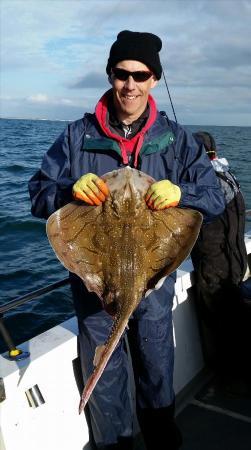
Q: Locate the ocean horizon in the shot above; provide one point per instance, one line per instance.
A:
(72, 120)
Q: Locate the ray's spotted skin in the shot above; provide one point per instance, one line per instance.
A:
(121, 249)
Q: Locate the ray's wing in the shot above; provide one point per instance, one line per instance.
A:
(175, 231)
(73, 234)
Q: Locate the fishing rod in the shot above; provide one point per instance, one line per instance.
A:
(170, 97)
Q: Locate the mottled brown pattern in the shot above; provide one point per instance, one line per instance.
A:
(121, 249)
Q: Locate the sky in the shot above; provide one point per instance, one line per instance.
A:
(54, 55)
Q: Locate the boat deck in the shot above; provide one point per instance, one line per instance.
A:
(217, 418)
(214, 418)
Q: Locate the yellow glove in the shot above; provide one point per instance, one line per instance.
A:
(163, 194)
(91, 189)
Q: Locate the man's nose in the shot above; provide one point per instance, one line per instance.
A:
(130, 83)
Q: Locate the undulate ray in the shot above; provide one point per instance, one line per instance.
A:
(121, 249)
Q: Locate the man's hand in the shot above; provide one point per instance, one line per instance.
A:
(163, 194)
(91, 189)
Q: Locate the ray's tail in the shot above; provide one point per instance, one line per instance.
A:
(102, 356)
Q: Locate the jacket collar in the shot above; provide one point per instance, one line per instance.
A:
(126, 145)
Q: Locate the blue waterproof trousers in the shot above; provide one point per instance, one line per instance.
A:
(150, 338)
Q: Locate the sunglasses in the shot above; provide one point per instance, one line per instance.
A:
(139, 76)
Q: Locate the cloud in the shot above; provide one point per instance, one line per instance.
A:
(91, 80)
(44, 99)
(38, 98)
(52, 109)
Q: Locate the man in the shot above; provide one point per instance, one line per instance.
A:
(127, 129)
(220, 261)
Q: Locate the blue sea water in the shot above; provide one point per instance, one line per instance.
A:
(27, 261)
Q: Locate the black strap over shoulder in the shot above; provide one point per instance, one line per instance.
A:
(234, 219)
(231, 181)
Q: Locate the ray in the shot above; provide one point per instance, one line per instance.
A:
(121, 249)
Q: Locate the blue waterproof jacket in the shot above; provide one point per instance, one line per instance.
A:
(168, 152)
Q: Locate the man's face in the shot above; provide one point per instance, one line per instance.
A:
(130, 97)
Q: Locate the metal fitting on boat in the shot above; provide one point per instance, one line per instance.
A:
(2, 391)
(34, 396)
(17, 354)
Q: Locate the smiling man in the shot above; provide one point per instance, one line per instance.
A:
(127, 129)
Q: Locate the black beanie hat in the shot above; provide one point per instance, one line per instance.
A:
(143, 47)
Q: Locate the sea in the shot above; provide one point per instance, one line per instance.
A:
(27, 262)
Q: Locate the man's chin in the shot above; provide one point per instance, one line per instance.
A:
(129, 109)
